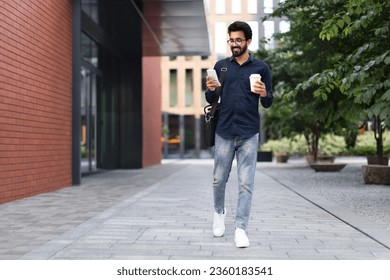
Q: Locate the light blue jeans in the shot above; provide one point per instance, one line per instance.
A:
(245, 151)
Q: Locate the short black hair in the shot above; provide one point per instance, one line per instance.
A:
(241, 26)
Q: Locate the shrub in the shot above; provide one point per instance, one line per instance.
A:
(328, 145)
(366, 144)
(291, 146)
(331, 145)
(282, 146)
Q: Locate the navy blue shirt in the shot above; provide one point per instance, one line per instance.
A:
(239, 108)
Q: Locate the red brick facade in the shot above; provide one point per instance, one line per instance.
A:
(35, 97)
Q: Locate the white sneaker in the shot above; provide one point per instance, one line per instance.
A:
(219, 224)
(241, 239)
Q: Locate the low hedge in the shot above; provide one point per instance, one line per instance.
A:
(329, 144)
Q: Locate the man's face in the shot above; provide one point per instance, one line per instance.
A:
(237, 48)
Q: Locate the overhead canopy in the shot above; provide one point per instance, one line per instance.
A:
(174, 27)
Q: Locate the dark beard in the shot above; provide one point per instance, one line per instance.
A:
(239, 53)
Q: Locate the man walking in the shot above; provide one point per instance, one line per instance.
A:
(237, 131)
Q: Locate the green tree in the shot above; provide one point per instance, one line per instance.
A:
(301, 53)
(363, 75)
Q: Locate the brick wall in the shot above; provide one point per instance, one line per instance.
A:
(35, 97)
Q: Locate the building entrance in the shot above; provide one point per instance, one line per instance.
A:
(88, 91)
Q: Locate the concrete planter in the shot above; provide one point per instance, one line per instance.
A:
(310, 159)
(282, 158)
(376, 174)
(377, 161)
(327, 167)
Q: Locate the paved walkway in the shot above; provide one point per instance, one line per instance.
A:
(165, 212)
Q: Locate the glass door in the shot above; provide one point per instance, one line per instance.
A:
(88, 119)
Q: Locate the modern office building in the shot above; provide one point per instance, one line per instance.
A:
(183, 77)
(80, 87)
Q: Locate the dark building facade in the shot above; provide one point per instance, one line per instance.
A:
(80, 86)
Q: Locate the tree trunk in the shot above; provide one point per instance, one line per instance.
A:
(312, 140)
(378, 133)
(316, 134)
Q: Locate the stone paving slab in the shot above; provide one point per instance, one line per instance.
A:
(60, 211)
(165, 212)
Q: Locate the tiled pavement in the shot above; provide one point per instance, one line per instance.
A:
(165, 212)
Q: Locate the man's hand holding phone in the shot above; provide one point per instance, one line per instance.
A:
(212, 81)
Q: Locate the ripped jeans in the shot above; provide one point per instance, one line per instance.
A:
(245, 151)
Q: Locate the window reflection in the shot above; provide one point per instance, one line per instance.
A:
(89, 50)
(88, 92)
(173, 88)
(189, 88)
(91, 8)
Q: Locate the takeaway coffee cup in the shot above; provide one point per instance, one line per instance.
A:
(253, 78)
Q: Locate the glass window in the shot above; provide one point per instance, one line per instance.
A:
(284, 26)
(254, 46)
(204, 74)
(220, 7)
(173, 87)
(189, 88)
(89, 50)
(236, 7)
(268, 6)
(189, 133)
(269, 30)
(89, 89)
(220, 38)
(204, 88)
(252, 6)
(91, 8)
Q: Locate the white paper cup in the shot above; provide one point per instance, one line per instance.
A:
(253, 78)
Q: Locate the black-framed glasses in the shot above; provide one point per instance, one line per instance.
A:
(238, 41)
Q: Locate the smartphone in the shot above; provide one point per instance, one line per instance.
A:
(213, 73)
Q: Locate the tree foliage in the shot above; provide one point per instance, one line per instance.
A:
(302, 108)
(363, 75)
(332, 66)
